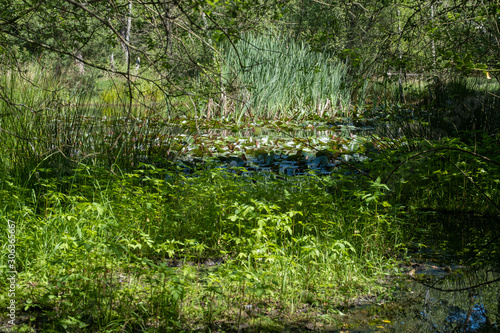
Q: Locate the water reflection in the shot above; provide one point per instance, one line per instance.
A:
(450, 305)
(346, 129)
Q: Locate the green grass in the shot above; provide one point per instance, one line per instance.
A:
(262, 77)
(93, 250)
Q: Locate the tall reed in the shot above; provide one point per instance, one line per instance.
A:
(278, 77)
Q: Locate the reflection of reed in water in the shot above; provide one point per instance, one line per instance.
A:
(271, 133)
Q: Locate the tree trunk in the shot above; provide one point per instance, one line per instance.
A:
(79, 63)
(112, 61)
(168, 27)
(432, 41)
(126, 35)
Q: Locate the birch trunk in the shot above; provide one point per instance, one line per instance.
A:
(126, 35)
(79, 63)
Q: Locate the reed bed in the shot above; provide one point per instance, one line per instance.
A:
(277, 77)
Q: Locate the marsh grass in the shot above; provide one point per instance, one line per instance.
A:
(276, 77)
(50, 123)
(262, 77)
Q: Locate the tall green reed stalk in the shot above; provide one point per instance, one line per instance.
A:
(278, 77)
